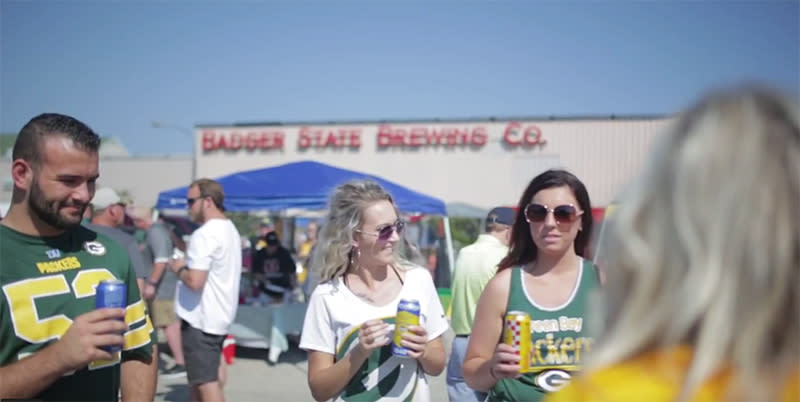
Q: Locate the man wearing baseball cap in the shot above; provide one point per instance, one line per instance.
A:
(475, 266)
(108, 214)
(274, 268)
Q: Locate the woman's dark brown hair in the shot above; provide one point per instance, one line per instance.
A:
(522, 249)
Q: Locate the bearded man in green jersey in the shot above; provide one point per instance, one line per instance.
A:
(52, 336)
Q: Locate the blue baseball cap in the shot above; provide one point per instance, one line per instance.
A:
(502, 215)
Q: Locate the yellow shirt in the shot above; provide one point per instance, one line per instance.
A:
(652, 377)
(305, 249)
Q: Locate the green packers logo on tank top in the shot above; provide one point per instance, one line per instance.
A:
(558, 349)
(383, 377)
(559, 343)
(559, 340)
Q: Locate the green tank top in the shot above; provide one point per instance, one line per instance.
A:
(558, 336)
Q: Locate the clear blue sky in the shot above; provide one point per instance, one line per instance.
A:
(120, 65)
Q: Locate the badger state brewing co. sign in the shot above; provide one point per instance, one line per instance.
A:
(387, 136)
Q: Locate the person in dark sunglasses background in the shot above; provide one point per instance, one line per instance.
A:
(351, 313)
(544, 275)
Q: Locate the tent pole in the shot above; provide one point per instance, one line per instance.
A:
(449, 243)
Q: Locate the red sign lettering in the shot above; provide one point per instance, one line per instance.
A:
(235, 140)
(515, 135)
(333, 138)
(419, 136)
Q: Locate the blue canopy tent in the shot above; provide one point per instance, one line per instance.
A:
(306, 186)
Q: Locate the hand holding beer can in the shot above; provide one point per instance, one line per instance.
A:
(407, 315)
(112, 293)
(517, 333)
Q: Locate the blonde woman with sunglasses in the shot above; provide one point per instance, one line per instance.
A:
(545, 276)
(703, 295)
(350, 318)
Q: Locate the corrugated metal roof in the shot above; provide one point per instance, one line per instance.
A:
(437, 120)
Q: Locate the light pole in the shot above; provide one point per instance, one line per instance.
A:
(187, 131)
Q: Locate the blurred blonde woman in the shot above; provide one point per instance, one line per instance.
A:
(350, 318)
(703, 273)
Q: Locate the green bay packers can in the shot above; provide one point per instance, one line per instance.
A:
(407, 315)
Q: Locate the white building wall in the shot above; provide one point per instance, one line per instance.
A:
(144, 177)
(603, 153)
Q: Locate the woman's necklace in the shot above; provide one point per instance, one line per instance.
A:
(364, 295)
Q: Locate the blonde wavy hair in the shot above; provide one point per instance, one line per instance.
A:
(333, 252)
(704, 249)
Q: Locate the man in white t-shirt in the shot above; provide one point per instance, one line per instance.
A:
(207, 294)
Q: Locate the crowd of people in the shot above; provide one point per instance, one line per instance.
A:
(697, 297)
(661, 320)
(53, 253)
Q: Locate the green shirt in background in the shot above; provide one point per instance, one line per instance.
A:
(475, 266)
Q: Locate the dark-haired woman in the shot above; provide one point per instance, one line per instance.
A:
(545, 276)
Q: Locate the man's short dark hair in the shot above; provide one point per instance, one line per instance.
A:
(28, 142)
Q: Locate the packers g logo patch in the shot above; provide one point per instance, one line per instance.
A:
(94, 248)
(552, 380)
(382, 377)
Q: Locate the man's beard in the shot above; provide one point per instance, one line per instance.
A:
(48, 210)
(199, 217)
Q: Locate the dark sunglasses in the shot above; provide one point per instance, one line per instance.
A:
(566, 213)
(385, 232)
(190, 201)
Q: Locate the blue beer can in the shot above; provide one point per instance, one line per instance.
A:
(111, 293)
(407, 315)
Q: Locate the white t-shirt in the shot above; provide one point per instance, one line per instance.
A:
(213, 247)
(334, 317)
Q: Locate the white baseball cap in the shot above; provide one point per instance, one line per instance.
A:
(105, 197)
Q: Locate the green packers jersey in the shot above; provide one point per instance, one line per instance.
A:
(559, 340)
(49, 281)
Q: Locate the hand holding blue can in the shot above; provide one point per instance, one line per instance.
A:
(112, 293)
